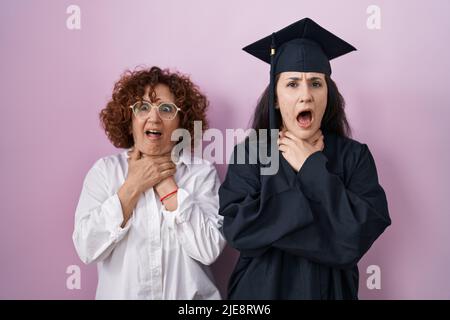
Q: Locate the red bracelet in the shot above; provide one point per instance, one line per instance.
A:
(168, 195)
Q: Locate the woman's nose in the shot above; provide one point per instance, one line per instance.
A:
(305, 99)
(153, 115)
(305, 95)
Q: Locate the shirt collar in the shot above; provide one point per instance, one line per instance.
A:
(182, 159)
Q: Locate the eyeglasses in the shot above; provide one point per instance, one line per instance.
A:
(166, 110)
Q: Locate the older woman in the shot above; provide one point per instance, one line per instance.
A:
(302, 231)
(150, 224)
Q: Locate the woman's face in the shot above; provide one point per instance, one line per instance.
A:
(156, 142)
(302, 99)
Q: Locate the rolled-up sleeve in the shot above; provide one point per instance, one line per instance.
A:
(98, 217)
(196, 221)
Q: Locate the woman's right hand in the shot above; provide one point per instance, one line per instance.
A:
(145, 171)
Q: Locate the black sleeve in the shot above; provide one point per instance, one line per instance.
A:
(347, 219)
(316, 216)
(258, 214)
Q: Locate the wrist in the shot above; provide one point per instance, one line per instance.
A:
(169, 200)
(167, 196)
(128, 196)
(166, 186)
(129, 190)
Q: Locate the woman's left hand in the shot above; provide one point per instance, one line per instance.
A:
(296, 150)
(164, 187)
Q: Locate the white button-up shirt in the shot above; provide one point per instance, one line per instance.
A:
(158, 254)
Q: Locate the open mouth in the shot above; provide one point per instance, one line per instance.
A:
(304, 119)
(153, 134)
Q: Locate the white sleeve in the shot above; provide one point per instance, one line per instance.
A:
(98, 217)
(196, 221)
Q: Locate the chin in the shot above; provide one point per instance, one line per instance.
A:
(304, 134)
(150, 150)
(157, 149)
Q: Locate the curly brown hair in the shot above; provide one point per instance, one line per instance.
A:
(116, 117)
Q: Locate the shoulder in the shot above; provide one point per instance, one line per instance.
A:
(349, 145)
(198, 173)
(108, 163)
(343, 153)
(245, 163)
(198, 166)
(250, 150)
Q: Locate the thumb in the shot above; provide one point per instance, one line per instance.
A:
(316, 137)
(320, 145)
(135, 154)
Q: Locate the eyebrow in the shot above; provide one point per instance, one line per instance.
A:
(156, 100)
(297, 78)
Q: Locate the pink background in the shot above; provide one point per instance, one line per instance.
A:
(54, 81)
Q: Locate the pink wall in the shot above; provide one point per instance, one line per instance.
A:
(54, 81)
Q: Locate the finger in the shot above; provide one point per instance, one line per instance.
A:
(286, 141)
(164, 160)
(318, 140)
(167, 173)
(129, 152)
(166, 166)
(135, 154)
(283, 148)
(320, 145)
(291, 136)
(312, 140)
(316, 136)
(158, 159)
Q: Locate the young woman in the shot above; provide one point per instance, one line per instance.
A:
(301, 231)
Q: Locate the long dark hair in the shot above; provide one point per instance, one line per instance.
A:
(333, 121)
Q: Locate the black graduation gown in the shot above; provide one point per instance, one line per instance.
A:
(300, 235)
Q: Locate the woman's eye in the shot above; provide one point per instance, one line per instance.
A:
(317, 84)
(167, 108)
(292, 84)
(144, 107)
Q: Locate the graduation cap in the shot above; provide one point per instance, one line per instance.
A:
(303, 46)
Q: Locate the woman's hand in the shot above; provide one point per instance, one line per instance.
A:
(164, 187)
(296, 150)
(144, 172)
